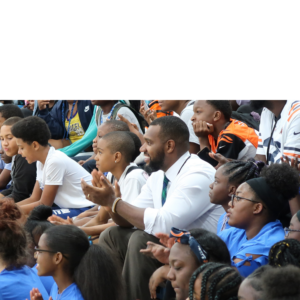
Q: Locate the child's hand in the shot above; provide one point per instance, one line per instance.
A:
(202, 128)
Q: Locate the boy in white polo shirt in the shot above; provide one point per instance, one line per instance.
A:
(115, 153)
(57, 177)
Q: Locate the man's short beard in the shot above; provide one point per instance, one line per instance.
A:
(258, 104)
(156, 164)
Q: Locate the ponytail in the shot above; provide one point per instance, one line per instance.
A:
(97, 275)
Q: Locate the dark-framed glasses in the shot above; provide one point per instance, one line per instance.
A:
(37, 251)
(288, 230)
(238, 198)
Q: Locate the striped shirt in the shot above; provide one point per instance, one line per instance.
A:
(286, 136)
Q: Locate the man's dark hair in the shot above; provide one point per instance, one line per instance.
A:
(11, 121)
(32, 129)
(10, 110)
(173, 128)
(119, 141)
(117, 125)
(223, 106)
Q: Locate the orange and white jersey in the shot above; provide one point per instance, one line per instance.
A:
(236, 141)
(286, 136)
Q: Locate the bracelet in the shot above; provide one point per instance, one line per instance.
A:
(113, 208)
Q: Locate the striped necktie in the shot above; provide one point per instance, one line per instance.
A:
(164, 190)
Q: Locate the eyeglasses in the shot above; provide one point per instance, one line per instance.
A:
(233, 196)
(288, 230)
(38, 251)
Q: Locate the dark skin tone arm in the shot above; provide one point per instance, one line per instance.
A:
(104, 194)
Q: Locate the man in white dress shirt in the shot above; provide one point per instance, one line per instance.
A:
(176, 194)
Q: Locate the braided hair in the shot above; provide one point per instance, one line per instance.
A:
(219, 282)
(286, 252)
(240, 171)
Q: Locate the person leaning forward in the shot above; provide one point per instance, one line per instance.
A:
(176, 194)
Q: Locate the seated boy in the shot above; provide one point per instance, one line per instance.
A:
(218, 133)
(115, 152)
(23, 174)
(57, 177)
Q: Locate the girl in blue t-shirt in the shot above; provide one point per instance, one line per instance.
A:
(253, 214)
(81, 270)
(36, 225)
(227, 179)
(16, 279)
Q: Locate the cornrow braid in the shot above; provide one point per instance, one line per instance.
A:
(216, 279)
(285, 252)
(220, 278)
(241, 171)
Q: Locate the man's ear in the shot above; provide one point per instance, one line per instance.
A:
(170, 146)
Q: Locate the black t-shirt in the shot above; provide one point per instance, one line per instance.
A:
(23, 179)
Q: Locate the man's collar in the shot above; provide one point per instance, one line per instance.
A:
(174, 169)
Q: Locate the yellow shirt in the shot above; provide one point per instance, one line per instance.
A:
(76, 131)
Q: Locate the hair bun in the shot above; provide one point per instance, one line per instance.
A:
(9, 210)
(40, 213)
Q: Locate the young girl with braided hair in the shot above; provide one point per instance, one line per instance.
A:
(253, 215)
(227, 179)
(286, 252)
(214, 281)
(191, 249)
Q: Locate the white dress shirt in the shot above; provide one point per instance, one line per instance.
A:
(187, 204)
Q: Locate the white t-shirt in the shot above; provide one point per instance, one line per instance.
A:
(186, 116)
(132, 183)
(61, 170)
(286, 136)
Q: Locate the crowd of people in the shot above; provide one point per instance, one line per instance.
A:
(150, 199)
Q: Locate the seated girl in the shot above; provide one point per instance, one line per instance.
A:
(16, 279)
(36, 225)
(23, 174)
(191, 249)
(57, 176)
(115, 153)
(81, 271)
(253, 214)
(227, 179)
(68, 120)
(214, 281)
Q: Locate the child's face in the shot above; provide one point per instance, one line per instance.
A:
(105, 160)
(27, 151)
(219, 189)
(8, 141)
(182, 265)
(203, 112)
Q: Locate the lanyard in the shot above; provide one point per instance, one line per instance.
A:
(184, 164)
(71, 117)
(108, 118)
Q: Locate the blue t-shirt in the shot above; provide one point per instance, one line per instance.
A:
(239, 246)
(71, 292)
(17, 284)
(47, 281)
(223, 219)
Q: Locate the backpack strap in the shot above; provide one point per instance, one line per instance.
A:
(131, 169)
